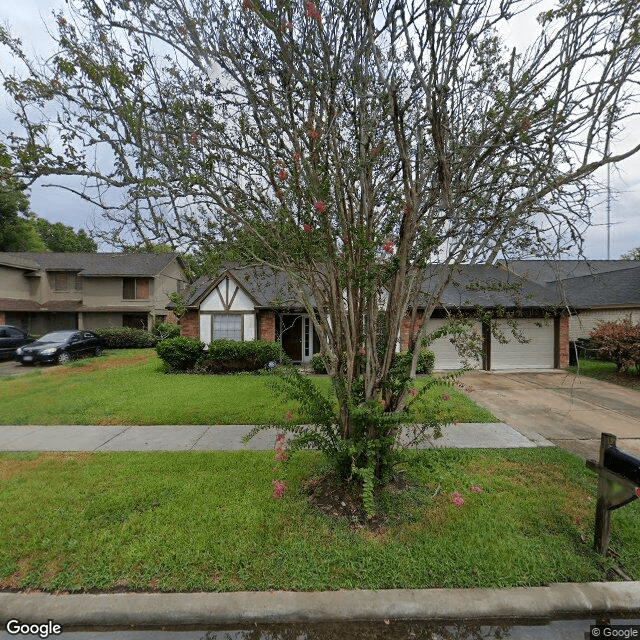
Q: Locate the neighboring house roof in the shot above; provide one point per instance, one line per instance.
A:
(96, 264)
(585, 283)
(11, 260)
(487, 287)
(471, 286)
(620, 287)
(547, 271)
(14, 304)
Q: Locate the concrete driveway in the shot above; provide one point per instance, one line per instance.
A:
(12, 368)
(568, 410)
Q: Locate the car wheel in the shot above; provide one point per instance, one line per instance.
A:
(97, 351)
(63, 358)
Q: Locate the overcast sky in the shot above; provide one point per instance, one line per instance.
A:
(27, 19)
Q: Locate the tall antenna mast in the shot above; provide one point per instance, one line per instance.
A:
(609, 212)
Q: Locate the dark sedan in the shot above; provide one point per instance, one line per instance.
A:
(60, 347)
(10, 339)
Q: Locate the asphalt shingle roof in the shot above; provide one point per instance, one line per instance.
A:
(95, 264)
(548, 271)
(471, 286)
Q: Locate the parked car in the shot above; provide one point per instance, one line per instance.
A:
(60, 347)
(10, 339)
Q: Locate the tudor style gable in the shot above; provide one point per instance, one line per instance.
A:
(227, 311)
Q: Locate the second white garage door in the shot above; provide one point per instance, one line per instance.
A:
(537, 353)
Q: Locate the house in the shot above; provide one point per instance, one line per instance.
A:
(596, 290)
(41, 292)
(249, 303)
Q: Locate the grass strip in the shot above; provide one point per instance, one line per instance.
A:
(130, 388)
(208, 521)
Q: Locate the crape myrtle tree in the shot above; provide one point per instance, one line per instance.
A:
(351, 145)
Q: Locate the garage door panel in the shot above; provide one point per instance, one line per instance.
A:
(538, 352)
(447, 355)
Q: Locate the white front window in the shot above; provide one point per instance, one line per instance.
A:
(227, 326)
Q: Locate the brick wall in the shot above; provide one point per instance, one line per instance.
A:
(563, 337)
(267, 326)
(405, 330)
(172, 317)
(190, 324)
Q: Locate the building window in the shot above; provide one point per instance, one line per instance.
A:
(65, 281)
(227, 326)
(135, 288)
(134, 320)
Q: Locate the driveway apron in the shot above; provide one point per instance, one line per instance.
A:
(570, 411)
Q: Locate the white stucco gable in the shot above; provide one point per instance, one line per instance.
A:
(227, 295)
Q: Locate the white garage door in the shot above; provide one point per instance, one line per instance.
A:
(447, 356)
(537, 353)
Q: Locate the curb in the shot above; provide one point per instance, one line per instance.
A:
(587, 600)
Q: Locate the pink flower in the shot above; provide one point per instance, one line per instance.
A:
(388, 247)
(382, 403)
(55, 83)
(307, 228)
(476, 489)
(320, 206)
(247, 5)
(282, 174)
(445, 396)
(280, 456)
(413, 391)
(278, 488)
(313, 134)
(62, 21)
(193, 138)
(457, 499)
(312, 11)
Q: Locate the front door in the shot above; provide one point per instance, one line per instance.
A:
(296, 336)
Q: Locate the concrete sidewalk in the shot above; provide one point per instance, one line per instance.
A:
(224, 438)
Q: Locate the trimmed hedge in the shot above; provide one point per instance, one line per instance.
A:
(617, 342)
(229, 356)
(317, 364)
(165, 330)
(126, 338)
(180, 353)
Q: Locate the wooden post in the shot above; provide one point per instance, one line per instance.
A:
(603, 515)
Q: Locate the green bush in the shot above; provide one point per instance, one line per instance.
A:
(426, 361)
(180, 353)
(126, 338)
(317, 364)
(164, 330)
(229, 356)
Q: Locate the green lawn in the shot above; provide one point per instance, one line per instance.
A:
(129, 387)
(208, 521)
(607, 371)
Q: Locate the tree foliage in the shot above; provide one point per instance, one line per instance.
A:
(351, 145)
(60, 237)
(632, 254)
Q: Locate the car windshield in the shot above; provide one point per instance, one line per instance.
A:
(56, 336)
